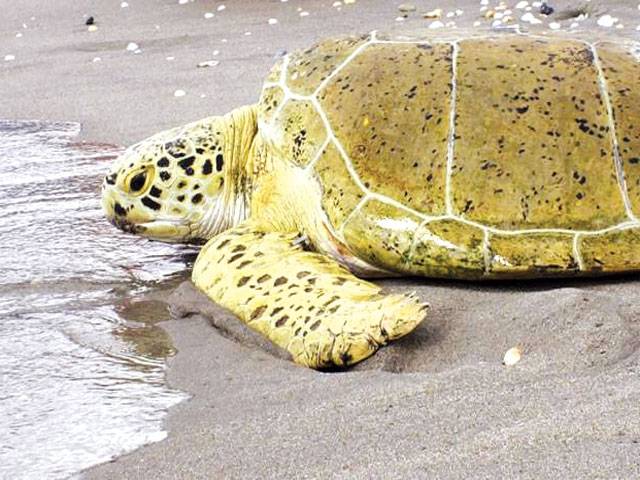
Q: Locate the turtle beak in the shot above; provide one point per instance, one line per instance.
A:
(164, 230)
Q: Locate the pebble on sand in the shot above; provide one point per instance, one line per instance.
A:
(179, 93)
(221, 7)
(554, 25)
(522, 5)
(512, 356)
(436, 24)
(208, 63)
(92, 28)
(407, 7)
(607, 21)
(124, 5)
(530, 18)
(437, 13)
(304, 13)
(209, 15)
(133, 47)
(272, 21)
(9, 58)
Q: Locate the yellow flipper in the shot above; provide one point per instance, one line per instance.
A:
(302, 301)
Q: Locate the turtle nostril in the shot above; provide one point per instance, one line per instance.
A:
(119, 210)
(111, 179)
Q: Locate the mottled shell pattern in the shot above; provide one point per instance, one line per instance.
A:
(499, 156)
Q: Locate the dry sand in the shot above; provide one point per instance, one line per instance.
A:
(438, 404)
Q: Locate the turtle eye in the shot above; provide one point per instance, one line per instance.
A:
(136, 184)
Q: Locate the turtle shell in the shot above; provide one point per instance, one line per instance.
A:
(498, 156)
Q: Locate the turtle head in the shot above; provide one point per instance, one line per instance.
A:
(178, 186)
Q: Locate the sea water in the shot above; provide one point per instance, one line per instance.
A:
(81, 362)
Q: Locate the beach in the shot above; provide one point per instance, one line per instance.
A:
(439, 403)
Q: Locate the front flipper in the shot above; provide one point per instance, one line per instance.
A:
(302, 301)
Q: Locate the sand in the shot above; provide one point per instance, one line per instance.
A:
(438, 404)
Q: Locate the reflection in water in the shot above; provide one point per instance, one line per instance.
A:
(81, 362)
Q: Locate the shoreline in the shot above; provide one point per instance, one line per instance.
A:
(437, 403)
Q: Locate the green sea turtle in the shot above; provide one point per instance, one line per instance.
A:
(497, 157)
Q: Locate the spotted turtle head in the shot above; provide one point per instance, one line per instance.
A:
(171, 186)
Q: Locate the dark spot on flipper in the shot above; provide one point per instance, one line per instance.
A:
(163, 162)
(165, 176)
(111, 179)
(180, 198)
(315, 325)
(345, 358)
(245, 263)
(264, 278)
(303, 274)
(281, 321)
(119, 210)
(197, 198)
(235, 257)
(243, 281)
(189, 171)
(280, 281)
(276, 311)
(219, 162)
(238, 248)
(152, 204)
(207, 168)
(257, 313)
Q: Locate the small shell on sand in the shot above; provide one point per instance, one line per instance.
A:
(209, 15)
(436, 24)
(179, 93)
(92, 28)
(512, 356)
(9, 58)
(272, 21)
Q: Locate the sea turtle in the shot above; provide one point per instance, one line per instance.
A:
(506, 156)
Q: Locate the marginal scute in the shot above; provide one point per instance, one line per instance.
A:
(381, 234)
(621, 68)
(298, 133)
(540, 156)
(308, 68)
(270, 100)
(389, 108)
(611, 252)
(528, 254)
(447, 248)
(340, 193)
(275, 73)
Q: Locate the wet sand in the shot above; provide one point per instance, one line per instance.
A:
(438, 404)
